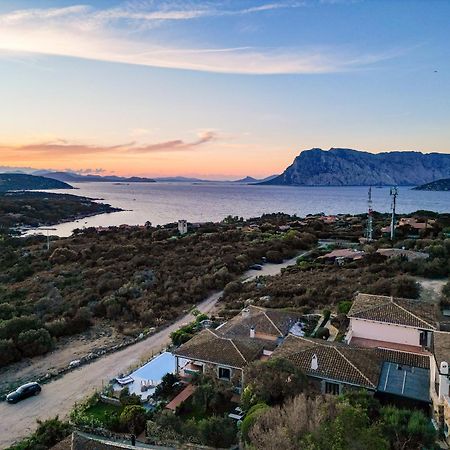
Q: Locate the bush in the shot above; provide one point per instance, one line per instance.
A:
(344, 307)
(10, 329)
(8, 352)
(34, 342)
(250, 419)
(48, 434)
(218, 432)
(133, 419)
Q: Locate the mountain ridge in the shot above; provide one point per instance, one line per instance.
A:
(349, 167)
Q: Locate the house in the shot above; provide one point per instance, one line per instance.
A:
(334, 367)
(410, 255)
(412, 225)
(262, 323)
(226, 351)
(390, 322)
(341, 255)
(440, 381)
(223, 358)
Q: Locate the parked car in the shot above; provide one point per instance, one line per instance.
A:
(256, 267)
(24, 391)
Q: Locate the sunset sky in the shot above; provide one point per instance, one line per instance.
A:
(218, 89)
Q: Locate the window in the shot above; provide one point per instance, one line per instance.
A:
(332, 388)
(224, 373)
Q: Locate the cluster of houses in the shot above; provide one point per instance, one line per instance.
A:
(393, 348)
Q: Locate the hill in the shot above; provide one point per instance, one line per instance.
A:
(21, 182)
(346, 167)
(251, 180)
(438, 185)
(77, 178)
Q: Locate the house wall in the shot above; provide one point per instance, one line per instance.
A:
(213, 371)
(384, 332)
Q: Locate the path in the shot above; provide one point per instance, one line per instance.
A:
(59, 396)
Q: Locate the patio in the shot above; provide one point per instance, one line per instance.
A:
(144, 380)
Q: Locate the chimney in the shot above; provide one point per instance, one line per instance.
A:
(314, 363)
(245, 313)
(252, 332)
(444, 382)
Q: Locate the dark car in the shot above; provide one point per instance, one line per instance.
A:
(24, 391)
(256, 267)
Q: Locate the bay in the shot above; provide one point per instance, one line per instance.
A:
(162, 203)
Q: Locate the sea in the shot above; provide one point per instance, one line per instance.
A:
(165, 202)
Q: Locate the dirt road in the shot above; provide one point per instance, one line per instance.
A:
(59, 396)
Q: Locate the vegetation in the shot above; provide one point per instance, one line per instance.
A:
(271, 382)
(340, 423)
(33, 209)
(48, 434)
(133, 279)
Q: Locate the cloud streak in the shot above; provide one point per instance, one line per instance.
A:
(62, 149)
(126, 35)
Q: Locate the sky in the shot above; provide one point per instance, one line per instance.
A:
(218, 89)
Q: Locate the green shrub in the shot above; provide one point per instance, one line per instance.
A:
(10, 329)
(344, 307)
(250, 419)
(8, 352)
(34, 342)
(133, 419)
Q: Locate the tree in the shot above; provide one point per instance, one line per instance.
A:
(274, 380)
(407, 429)
(133, 418)
(34, 342)
(218, 432)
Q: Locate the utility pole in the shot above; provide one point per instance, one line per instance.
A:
(393, 193)
(369, 230)
(48, 235)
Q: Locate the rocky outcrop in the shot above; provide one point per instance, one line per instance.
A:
(346, 167)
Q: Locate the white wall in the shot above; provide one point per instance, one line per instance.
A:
(384, 332)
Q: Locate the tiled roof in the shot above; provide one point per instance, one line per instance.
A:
(404, 358)
(441, 346)
(399, 311)
(336, 361)
(208, 346)
(266, 321)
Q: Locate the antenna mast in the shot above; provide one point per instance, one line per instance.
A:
(393, 193)
(369, 230)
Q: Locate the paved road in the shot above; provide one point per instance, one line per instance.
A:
(59, 396)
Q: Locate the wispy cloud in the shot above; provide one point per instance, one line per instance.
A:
(124, 35)
(62, 149)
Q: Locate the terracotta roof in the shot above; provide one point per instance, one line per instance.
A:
(207, 346)
(273, 322)
(335, 360)
(404, 358)
(393, 310)
(441, 347)
(181, 397)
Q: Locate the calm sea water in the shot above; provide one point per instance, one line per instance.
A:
(162, 203)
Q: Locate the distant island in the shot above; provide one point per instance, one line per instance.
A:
(251, 180)
(22, 182)
(438, 185)
(346, 167)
